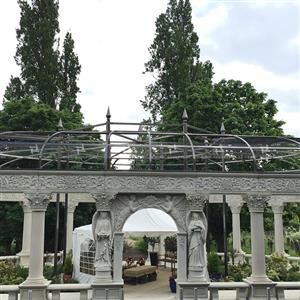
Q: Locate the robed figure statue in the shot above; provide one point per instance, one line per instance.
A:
(102, 231)
(197, 231)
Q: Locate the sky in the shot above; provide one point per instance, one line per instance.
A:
(252, 41)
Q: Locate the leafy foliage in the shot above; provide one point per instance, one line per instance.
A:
(70, 69)
(238, 272)
(10, 273)
(171, 243)
(27, 114)
(37, 53)
(174, 58)
(213, 263)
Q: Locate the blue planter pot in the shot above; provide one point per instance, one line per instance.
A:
(172, 284)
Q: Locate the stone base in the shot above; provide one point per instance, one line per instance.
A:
(258, 289)
(192, 290)
(107, 291)
(33, 291)
(24, 258)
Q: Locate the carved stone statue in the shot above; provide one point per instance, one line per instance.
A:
(197, 230)
(102, 231)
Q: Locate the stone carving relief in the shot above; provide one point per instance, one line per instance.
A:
(197, 201)
(125, 205)
(147, 183)
(197, 231)
(256, 203)
(102, 232)
(38, 200)
(103, 200)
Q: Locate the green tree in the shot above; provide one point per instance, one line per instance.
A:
(37, 50)
(27, 114)
(15, 89)
(70, 69)
(244, 109)
(174, 59)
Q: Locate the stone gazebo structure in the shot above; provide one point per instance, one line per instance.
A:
(123, 192)
(176, 172)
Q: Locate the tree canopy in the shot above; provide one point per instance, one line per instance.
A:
(174, 58)
(183, 81)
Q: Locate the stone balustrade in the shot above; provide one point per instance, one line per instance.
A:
(242, 290)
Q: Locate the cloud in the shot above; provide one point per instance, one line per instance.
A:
(112, 38)
(282, 88)
(258, 35)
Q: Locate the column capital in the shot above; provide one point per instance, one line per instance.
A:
(72, 204)
(26, 206)
(37, 200)
(235, 206)
(103, 200)
(256, 202)
(197, 201)
(276, 205)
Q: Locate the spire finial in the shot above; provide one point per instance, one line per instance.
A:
(108, 115)
(184, 115)
(60, 125)
(222, 130)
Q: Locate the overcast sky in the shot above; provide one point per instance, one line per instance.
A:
(255, 41)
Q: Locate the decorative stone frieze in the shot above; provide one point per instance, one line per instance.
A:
(196, 202)
(37, 200)
(256, 203)
(126, 204)
(103, 200)
(148, 182)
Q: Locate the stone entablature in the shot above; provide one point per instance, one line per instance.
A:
(148, 182)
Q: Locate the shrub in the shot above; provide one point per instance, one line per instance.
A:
(171, 243)
(239, 271)
(277, 267)
(141, 245)
(213, 263)
(68, 265)
(11, 273)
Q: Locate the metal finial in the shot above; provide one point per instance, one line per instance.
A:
(223, 130)
(60, 124)
(108, 115)
(184, 115)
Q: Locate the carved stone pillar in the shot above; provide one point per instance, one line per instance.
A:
(197, 275)
(258, 279)
(181, 256)
(35, 281)
(277, 207)
(70, 224)
(24, 254)
(235, 206)
(103, 285)
(118, 257)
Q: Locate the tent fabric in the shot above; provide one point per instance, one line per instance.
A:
(149, 222)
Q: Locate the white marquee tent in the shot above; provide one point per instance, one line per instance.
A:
(150, 222)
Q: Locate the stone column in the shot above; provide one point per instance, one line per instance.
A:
(118, 257)
(181, 256)
(235, 206)
(35, 281)
(24, 254)
(104, 286)
(277, 208)
(70, 224)
(258, 279)
(192, 275)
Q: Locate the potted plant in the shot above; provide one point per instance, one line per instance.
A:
(68, 268)
(214, 266)
(172, 282)
(171, 243)
(153, 255)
